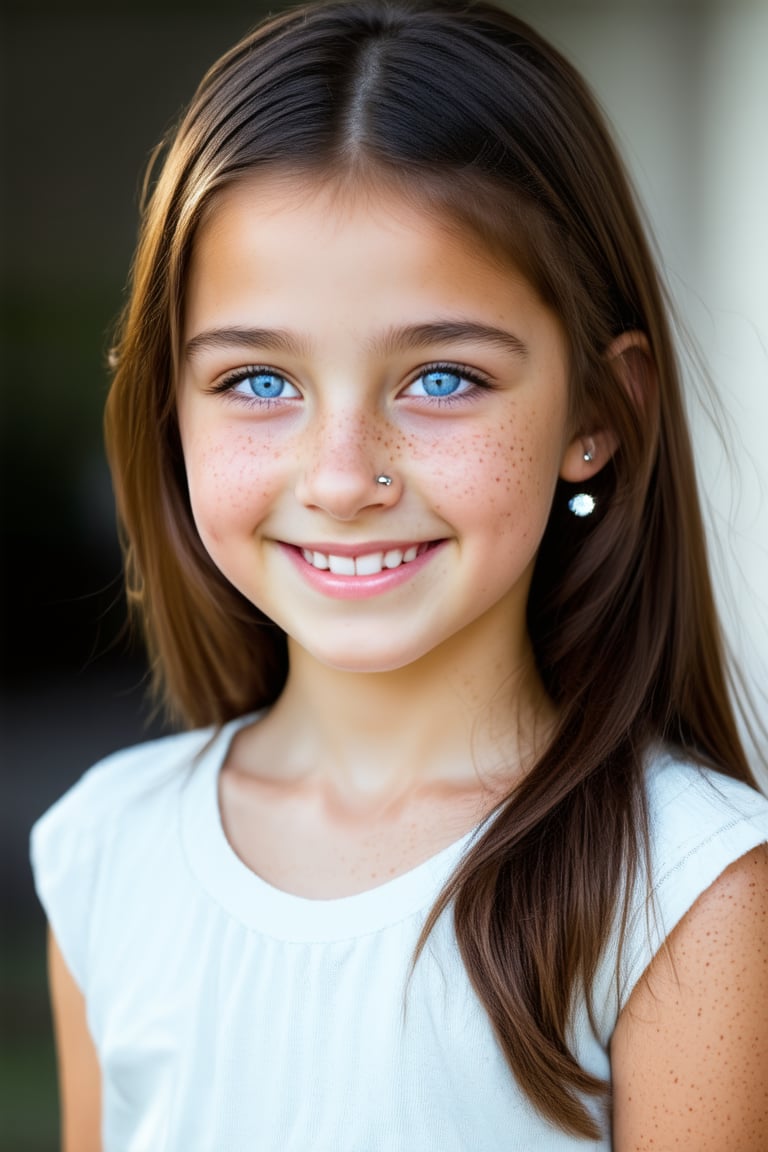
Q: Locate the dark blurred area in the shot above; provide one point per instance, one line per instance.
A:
(87, 91)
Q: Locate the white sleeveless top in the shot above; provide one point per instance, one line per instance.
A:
(232, 1017)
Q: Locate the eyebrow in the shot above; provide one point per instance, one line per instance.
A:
(448, 332)
(269, 339)
(395, 339)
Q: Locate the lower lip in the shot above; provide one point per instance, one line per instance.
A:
(360, 587)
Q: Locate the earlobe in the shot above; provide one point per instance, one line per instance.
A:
(631, 361)
(586, 455)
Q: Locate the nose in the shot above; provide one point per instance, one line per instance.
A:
(344, 467)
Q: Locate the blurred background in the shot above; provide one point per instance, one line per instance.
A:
(87, 90)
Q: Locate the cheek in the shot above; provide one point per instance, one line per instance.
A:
(232, 478)
(507, 474)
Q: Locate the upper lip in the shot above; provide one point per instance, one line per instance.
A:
(363, 549)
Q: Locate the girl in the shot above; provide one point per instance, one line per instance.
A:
(460, 851)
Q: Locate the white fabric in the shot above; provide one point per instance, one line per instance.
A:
(229, 1016)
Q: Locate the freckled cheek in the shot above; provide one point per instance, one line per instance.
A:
(231, 479)
(509, 472)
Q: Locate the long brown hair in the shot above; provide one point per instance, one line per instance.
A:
(468, 110)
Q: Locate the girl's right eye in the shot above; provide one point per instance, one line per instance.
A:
(259, 384)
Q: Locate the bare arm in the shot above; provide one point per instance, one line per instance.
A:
(690, 1051)
(79, 1076)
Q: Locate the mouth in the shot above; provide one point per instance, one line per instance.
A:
(366, 563)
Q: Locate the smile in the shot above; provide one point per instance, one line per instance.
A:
(366, 564)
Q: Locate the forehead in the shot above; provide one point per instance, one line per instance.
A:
(351, 260)
(285, 226)
(484, 221)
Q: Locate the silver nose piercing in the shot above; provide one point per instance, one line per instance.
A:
(385, 480)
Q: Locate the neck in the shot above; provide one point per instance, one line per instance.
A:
(444, 720)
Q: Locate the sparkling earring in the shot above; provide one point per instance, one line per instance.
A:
(582, 504)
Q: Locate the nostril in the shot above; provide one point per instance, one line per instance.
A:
(343, 492)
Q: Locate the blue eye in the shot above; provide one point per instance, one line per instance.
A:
(445, 382)
(263, 385)
(440, 382)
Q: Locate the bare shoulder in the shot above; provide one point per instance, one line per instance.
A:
(79, 1076)
(689, 1054)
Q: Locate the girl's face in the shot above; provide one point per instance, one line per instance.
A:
(332, 338)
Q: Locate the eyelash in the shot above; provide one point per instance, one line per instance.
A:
(479, 383)
(227, 386)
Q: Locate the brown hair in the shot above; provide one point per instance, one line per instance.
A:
(471, 111)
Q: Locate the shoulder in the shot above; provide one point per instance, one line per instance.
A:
(690, 1047)
(116, 814)
(700, 822)
(676, 786)
(127, 777)
(690, 1052)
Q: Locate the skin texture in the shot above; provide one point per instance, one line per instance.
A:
(327, 795)
(79, 1076)
(690, 1051)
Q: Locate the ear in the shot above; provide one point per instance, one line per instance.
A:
(630, 359)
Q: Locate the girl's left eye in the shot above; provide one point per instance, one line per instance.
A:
(443, 383)
(260, 384)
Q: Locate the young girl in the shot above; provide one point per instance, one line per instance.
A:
(460, 851)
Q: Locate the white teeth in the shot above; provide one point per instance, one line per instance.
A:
(370, 564)
(342, 565)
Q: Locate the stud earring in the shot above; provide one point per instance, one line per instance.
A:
(384, 480)
(582, 504)
(589, 452)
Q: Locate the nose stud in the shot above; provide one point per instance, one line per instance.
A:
(385, 480)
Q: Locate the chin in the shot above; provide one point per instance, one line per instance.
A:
(368, 664)
(364, 659)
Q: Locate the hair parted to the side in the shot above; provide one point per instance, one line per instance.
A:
(468, 110)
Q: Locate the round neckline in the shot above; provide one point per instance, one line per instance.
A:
(272, 911)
